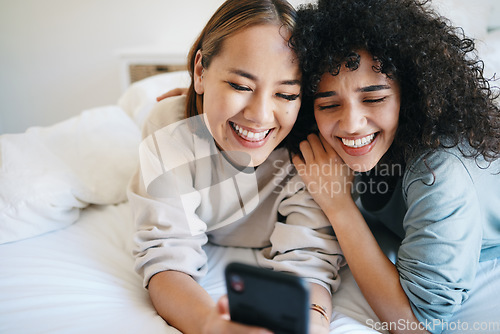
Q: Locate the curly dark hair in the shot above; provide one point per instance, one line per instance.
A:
(445, 99)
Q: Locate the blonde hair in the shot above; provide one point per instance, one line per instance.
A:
(231, 17)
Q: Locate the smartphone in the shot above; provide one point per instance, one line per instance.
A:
(262, 297)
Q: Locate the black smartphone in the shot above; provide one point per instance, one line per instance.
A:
(262, 297)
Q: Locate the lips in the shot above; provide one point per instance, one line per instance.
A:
(358, 142)
(248, 134)
(359, 146)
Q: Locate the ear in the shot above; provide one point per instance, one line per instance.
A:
(198, 74)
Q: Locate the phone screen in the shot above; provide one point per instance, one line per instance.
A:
(262, 297)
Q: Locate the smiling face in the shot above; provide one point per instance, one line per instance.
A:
(251, 91)
(357, 112)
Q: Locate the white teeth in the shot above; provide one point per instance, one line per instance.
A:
(249, 135)
(360, 142)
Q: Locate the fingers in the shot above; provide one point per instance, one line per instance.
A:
(223, 307)
(315, 141)
(174, 92)
(299, 164)
(307, 151)
(315, 150)
(311, 148)
(163, 96)
(233, 327)
(328, 148)
(223, 327)
(297, 160)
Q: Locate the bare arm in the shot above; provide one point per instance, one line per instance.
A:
(185, 305)
(375, 275)
(320, 296)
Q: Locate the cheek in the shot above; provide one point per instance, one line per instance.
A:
(288, 116)
(219, 106)
(325, 125)
(392, 120)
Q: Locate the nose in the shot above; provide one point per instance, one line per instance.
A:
(259, 110)
(352, 120)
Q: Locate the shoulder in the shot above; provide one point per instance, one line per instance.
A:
(169, 143)
(444, 166)
(165, 112)
(438, 186)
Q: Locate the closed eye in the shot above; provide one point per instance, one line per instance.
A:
(239, 87)
(330, 106)
(382, 99)
(289, 97)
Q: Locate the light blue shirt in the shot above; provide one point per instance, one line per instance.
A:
(446, 209)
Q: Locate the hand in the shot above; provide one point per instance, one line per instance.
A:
(326, 176)
(219, 322)
(173, 92)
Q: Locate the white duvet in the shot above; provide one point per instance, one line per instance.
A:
(48, 174)
(80, 279)
(76, 280)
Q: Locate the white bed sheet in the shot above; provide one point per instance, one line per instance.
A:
(80, 279)
(76, 280)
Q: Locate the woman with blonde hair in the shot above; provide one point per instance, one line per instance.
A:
(213, 174)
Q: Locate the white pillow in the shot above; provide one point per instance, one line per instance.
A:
(48, 174)
(140, 97)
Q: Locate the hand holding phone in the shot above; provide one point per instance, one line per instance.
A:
(262, 297)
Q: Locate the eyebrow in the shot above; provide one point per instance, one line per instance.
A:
(254, 78)
(324, 94)
(372, 88)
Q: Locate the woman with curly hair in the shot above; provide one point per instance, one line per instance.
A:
(409, 135)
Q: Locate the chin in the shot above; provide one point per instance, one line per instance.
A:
(246, 159)
(361, 167)
(257, 161)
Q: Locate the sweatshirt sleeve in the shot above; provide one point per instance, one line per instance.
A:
(303, 242)
(438, 257)
(169, 234)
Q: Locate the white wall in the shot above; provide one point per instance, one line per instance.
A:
(59, 57)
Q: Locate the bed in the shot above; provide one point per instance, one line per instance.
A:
(66, 263)
(66, 229)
